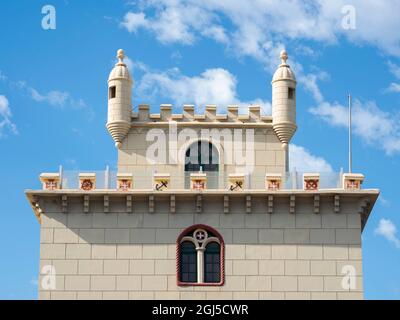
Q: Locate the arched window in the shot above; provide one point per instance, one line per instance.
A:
(200, 257)
(188, 262)
(212, 263)
(202, 156)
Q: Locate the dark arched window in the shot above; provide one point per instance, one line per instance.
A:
(188, 262)
(202, 156)
(200, 257)
(212, 263)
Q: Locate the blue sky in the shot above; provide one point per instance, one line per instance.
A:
(53, 96)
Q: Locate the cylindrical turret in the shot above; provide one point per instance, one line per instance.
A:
(284, 104)
(119, 100)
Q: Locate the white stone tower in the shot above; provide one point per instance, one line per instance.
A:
(119, 100)
(284, 104)
(145, 231)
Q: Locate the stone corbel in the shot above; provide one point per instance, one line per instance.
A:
(36, 206)
(226, 204)
(129, 200)
(292, 204)
(172, 204)
(199, 204)
(270, 204)
(336, 204)
(364, 205)
(64, 203)
(106, 204)
(248, 204)
(151, 203)
(86, 203)
(316, 204)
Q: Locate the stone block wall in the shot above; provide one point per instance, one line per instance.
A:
(269, 157)
(119, 255)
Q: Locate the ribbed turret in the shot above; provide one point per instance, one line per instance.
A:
(119, 101)
(284, 104)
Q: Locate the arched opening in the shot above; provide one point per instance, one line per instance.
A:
(188, 256)
(202, 156)
(200, 257)
(212, 263)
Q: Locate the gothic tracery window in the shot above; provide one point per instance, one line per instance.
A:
(200, 257)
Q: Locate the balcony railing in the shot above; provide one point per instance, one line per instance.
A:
(110, 180)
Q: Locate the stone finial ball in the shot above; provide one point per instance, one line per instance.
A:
(120, 54)
(284, 55)
(118, 145)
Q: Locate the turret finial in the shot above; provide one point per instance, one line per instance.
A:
(284, 56)
(120, 56)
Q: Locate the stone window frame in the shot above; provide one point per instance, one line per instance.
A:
(200, 248)
(112, 92)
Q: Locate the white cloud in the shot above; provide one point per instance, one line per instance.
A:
(5, 117)
(388, 230)
(3, 77)
(394, 69)
(55, 98)
(174, 21)
(213, 86)
(4, 107)
(133, 21)
(256, 23)
(129, 63)
(394, 87)
(303, 161)
(259, 29)
(310, 83)
(375, 126)
(384, 202)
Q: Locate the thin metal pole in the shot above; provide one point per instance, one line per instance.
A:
(350, 142)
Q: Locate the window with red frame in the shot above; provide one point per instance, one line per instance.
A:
(200, 256)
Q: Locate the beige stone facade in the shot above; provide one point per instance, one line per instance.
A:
(279, 238)
(267, 256)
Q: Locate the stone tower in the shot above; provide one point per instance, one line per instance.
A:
(204, 229)
(119, 100)
(284, 104)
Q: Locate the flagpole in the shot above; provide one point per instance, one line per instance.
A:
(350, 141)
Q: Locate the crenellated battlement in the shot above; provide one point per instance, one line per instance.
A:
(210, 114)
